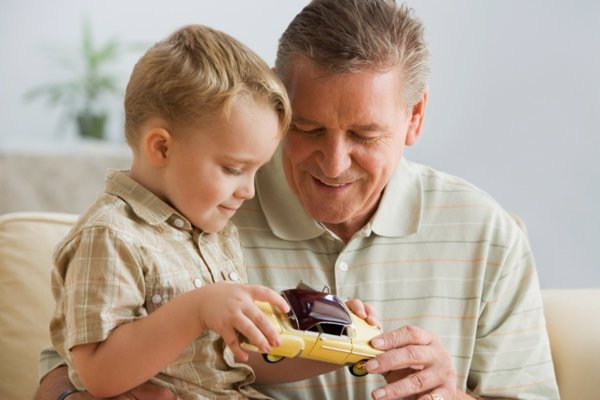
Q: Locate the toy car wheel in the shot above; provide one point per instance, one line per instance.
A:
(358, 368)
(270, 358)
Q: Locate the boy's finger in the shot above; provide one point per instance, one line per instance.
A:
(231, 340)
(263, 293)
(248, 328)
(238, 353)
(266, 327)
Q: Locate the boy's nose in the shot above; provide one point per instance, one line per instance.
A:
(246, 190)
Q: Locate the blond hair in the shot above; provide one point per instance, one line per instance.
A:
(345, 36)
(194, 73)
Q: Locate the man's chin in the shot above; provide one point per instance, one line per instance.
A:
(328, 213)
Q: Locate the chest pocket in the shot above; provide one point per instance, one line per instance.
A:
(162, 288)
(229, 272)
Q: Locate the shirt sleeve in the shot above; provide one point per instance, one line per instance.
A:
(49, 360)
(512, 356)
(98, 284)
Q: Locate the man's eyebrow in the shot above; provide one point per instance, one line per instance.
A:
(373, 127)
(304, 121)
(369, 128)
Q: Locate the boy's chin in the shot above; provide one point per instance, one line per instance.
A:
(212, 228)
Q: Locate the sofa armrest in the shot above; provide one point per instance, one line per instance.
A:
(27, 241)
(572, 319)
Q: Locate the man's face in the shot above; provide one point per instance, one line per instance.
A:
(348, 133)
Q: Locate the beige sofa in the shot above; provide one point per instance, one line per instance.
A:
(26, 243)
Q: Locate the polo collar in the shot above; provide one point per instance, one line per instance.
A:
(284, 213)
(398, 214)
(401, 206)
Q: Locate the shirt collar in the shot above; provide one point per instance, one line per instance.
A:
(284, 212)
(401, 206)
(398, 214)
(145, 204)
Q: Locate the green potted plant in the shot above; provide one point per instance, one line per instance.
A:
(83, 95)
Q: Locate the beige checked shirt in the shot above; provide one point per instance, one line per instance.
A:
(129, 254)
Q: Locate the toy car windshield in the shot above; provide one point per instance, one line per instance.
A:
(316, 311)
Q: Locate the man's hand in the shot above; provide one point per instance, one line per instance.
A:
(415, 364)
(146, 391)
(57, 381)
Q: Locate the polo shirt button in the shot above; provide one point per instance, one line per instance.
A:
(179, 223)
(156, 299)
(234, 276)
(343, 266)
(198, 282)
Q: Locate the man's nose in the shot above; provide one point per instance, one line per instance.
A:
(335, 157)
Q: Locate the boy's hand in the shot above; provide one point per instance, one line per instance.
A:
(364, 311)
(229, 309)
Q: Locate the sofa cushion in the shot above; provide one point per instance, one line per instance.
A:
(26, 305)
(574, 330)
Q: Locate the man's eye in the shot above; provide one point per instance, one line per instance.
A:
(308, 132)
(232, 171)
(364, 139)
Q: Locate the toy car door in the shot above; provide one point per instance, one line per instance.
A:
(333, 345)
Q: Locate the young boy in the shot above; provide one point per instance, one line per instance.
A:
(143, 282)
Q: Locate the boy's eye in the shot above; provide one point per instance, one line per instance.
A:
(232, 171)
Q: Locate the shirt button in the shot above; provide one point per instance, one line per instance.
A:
(179, 223)
(234, 276)
(198, 282)
(343, 266)
(156, 299)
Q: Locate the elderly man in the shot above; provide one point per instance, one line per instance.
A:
(449, 270)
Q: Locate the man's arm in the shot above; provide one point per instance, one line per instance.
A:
(53, 384)
(57, 382)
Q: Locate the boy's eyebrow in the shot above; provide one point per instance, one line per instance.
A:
(245, 160)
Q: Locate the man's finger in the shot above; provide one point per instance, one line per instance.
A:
(403, 336)
(414, 357)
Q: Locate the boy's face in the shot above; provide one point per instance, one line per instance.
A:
(211, 166)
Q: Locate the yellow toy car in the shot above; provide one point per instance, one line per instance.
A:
(320, 326)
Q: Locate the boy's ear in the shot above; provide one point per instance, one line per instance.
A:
(156, 145)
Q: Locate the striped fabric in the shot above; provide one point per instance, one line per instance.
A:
(439, 254)
(128, 255)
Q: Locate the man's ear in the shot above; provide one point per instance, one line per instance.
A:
(156, 146)
(416, 119)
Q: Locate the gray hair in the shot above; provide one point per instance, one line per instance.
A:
(345, 36)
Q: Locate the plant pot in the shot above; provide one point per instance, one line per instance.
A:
(92, 125)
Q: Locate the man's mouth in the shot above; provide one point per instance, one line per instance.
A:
(331, 184)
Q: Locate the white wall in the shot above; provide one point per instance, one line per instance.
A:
(514, 97)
